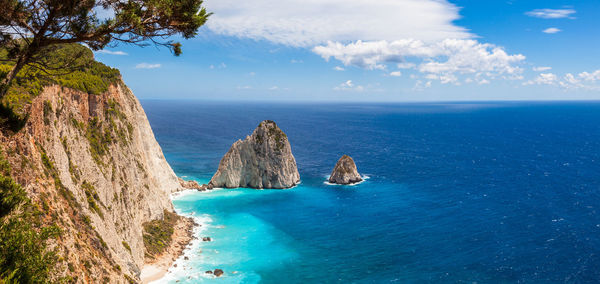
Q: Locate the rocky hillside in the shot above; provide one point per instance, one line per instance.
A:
(263, 160)
(92, 166)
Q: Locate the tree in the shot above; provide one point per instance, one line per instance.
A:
(29, 28)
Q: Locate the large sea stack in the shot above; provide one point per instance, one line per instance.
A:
(345, 171)
(263, 160)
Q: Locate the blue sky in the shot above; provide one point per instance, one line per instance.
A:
(386, 50)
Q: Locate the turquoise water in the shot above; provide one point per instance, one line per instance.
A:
(471, 192)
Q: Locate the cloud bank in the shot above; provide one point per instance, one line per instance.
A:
(390, 35)
(583, 80)
(440, 60)
(306, 23)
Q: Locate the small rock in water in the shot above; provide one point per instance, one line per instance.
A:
(206, 239)
(186, 258)
(345, 171)
(218, 272)
(208, 272)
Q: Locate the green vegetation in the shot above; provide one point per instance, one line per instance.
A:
(47, 111)
(88, 76)
(33, 28)
(126, 246)
(158, 234)
(92, 197)
(72, 168)
(278, 135)
(123, 134)
(24, 257)
(99, 138)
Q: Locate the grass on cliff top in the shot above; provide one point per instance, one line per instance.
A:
(158, 234)
(24, 256)
(71, 65)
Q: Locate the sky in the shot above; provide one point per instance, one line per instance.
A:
(376, 51)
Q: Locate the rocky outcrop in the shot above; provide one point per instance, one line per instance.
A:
(263, 160)
(93, 164)
(345, 171)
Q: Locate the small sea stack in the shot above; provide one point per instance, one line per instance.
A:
(345, 171)
(263, 160)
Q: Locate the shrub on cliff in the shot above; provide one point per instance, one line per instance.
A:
(158, 234)
(24, 257)
(86, 75)
(31, 28)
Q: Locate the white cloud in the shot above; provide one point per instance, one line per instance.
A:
(442, 59)
(147, 66)
(349, 86)
(541, 68)
(274, 88)
(551, 13)
(594, 76)
(583, 80)
(371, 34)
(338, 68)
(543, 79)
(420, 85)
(295, 61)
(307, 23)
(244, 87)
(396, 74)
(551, 30)
(111, 52)
(252, 73)
(405, 65)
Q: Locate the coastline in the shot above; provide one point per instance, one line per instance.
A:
(155, 269)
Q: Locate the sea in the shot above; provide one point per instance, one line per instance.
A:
(470, 192)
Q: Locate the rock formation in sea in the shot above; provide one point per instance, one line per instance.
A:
(263, 160)
(345, 171)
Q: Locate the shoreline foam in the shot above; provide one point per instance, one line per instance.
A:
(364, 178)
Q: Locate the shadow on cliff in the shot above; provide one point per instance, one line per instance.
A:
(10, 122)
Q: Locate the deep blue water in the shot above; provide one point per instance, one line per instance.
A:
(458, 192)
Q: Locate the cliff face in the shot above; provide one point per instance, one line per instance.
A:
(95, 168)
(345, 171)
(263, 160)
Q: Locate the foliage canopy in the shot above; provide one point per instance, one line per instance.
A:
(31, 28)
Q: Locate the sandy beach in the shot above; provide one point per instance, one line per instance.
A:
(155, 269)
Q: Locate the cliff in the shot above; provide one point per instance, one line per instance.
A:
(92, 164)
(345, 171)
(263, 160)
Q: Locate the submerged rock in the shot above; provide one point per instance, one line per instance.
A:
(345, 171)
(218, 272)
(263, 160)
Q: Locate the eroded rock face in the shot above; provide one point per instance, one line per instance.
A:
(345, 171)
(263, 160)
(110, 176)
